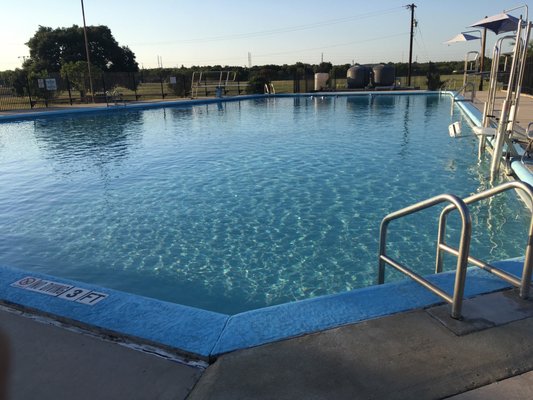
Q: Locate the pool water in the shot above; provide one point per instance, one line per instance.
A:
(240, 205)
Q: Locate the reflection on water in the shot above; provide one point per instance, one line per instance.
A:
(94, 139)
(357, 103)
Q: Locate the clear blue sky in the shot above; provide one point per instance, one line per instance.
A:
(274, 32)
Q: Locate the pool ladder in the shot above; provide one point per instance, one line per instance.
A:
(462, 253)
(463, 89)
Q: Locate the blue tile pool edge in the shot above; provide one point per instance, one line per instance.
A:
(201, 334)
(189, 331)
(32, 114)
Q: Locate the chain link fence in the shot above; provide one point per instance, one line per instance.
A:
(19, 91)
(527, 84)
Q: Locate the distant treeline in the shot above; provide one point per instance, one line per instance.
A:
(286, 72)
(281, 72)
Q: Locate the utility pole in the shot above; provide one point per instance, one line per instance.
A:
(482, 62)
(412, 8)
(87, 51)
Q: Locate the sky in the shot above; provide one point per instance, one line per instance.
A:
(210, 32)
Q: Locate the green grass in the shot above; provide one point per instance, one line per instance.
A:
(451, 82)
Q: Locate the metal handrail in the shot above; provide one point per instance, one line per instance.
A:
(473, 95)
(513, 95)
(212, 79)
(495, 68)
(475, 61)
(464, 245)
(525, 281)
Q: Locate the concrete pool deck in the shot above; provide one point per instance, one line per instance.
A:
(407, 355)
(525, 111)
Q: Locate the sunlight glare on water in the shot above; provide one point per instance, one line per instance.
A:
(240, 205)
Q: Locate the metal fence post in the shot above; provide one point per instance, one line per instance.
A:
(134, 86)
(29, 91)
(105, 90)
(68, 89)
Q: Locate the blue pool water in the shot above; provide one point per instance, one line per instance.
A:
(240, 205)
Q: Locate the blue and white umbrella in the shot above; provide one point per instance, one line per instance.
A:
(500, 23)
(462, 37)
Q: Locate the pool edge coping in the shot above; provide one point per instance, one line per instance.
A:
(24, 115)
(200, 334)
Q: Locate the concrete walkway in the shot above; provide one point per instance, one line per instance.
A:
(517, 388)
(49, 362)
(405, 356)
(525, 109)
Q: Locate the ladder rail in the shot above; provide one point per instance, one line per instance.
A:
(463, 88)
(525, 281)
(462, 253)
(510, 97)
(494, 72)
(462, 260)
(474, 64)
(219, 81)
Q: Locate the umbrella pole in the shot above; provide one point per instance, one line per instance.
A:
(482, 62)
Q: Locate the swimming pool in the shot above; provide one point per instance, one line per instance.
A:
(239, 205)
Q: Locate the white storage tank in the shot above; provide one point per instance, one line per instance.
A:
(321, 80)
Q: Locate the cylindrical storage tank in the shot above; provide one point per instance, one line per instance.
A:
(358, 77)
(384, 75)
(321, 80)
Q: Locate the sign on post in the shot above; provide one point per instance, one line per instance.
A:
(51, 84)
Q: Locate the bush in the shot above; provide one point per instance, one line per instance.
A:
(433, 77)
(256, 85)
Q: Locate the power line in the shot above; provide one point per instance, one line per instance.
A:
(310, 49)
(423, 47)
(333, 45)
(275, 31)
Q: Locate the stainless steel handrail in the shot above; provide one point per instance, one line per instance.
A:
(493, 83)
(472, 96)
(525, 281)
(464, 245)
(475, 61)
(213, 79)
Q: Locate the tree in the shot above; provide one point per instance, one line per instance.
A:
(324, 67)
(17, 79)
(78, 75)
(51, 48)
(433, 77)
